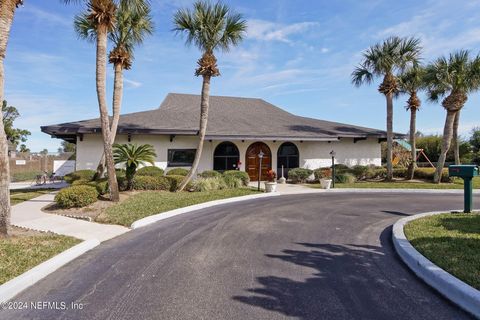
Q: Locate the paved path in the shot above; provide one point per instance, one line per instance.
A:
(312, 256)
(28, 214)
(30, 185)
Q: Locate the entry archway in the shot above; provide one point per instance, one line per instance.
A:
(226, 157)
(289, 157)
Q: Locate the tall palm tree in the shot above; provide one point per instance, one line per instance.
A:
(7, 12)
(133, 24)
(101, 14)
(209, 27)
(452, 78)
(386, 60)
(132, 156)
(410, 82)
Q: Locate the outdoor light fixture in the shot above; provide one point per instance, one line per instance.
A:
(260, 156)
(332, 153)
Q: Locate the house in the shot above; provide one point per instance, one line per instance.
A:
(238, 130)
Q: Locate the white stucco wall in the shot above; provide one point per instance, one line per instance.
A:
(312, 154)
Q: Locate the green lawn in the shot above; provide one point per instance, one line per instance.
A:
(18, 196)
(451, 241)
(153, 202)
(21, 253)
(458, 184)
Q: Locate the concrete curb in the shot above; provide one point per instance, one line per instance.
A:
(172, 213)
(13, 287)
(374, 190)
(460, 293)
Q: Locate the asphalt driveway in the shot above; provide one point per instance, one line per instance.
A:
(313, 256)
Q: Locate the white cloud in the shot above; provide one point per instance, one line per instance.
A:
(132, 83)
(45, 16)
(271, 31)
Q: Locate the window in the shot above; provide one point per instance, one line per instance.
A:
(226, 157)
(181, 157)
(287, 157)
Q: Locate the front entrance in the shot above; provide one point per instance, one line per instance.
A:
(288, 157)
(252, 161)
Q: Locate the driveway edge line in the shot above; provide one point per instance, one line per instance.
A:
(457, 291)
(172, 213)
(16, 285)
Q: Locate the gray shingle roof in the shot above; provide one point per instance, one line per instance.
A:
(229, 117)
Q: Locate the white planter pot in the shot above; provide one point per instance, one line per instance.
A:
(270, 186)
(326, 183)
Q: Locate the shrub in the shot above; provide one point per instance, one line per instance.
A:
(210, 174)
(150, 183)
(242, 175)
(76, 196)
(175, 181)
(80, 175)
(231, 181)
(360, 172)
(102, 187)
(345, 178)
(177, 172)
(150, 171)
(400, 172)
(340, 168)
(212, 183)
(428, 173)
(299, 175)
(82, 182)
(122, 183)
(377, 173)
(322, 173)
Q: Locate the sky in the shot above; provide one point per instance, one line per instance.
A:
(298, 55)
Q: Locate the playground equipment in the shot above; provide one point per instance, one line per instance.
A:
(403, 144)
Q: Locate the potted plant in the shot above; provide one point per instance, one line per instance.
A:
(271, 184)
(325, 177)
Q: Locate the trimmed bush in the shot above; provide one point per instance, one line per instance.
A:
(150, 183)
(299, 175)
(76, 196)
(377, 173)
(82, 182)
(211, 184)
(79, 175)
(122, 183)
(428, 173)
(400, 172)
(102, 186)
(360, 172)
(231, 181)
(210, 174)
(340, 168)
(175, 181)
(150, 171)
(177, 172)
(322, 173)
(345, 178)
(242, 175)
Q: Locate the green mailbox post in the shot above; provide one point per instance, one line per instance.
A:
(466, 172)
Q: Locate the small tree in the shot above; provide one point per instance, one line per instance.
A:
(132, 156)
(14, 135)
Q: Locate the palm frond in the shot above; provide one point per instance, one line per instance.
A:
(84, 28)
(361, 75)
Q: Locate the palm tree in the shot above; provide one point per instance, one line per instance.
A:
(133, 156)
(410, 82)
(209, 27)
(452, 79)
(101, 14)
(132, 25)
(385, 60)
(7, 12)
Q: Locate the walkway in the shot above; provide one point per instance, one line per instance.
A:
(30, 185)
(28, 214)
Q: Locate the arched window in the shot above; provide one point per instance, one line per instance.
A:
(226, 157)
(287, 156)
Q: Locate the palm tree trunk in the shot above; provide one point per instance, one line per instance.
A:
(203, 129)
(7, 11)
(389, 97)
(447, 138)
(117, 103)
(413, 131)
(101, 74)
(455, 142)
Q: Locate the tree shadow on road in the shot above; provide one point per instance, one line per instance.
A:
(348, 282)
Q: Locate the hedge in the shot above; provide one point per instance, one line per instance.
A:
(76, 196)
(299, 175)
(80, 175)
(175, 181)
(322, 173)
(150, 183)
(210, 174)
(150, 171)
(177, 172)
(232, 182)
(345, 178)
(211, 184)
(242, 175)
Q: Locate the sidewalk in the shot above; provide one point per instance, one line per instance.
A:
(28, 214)
(29, 185)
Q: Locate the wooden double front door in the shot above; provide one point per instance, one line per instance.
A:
(252, 161)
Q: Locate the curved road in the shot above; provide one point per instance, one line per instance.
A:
(311, 256)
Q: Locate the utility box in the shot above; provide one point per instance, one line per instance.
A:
(467, 173)
(463, 171)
